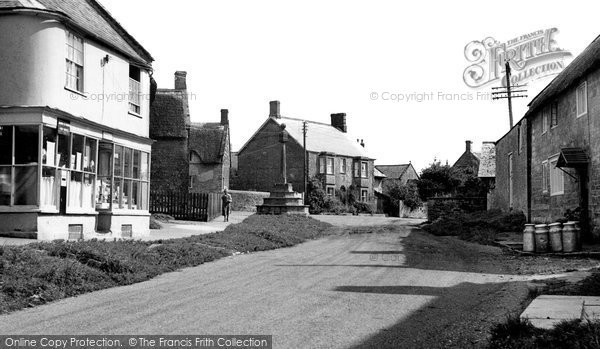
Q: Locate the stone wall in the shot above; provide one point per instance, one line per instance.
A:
(246, 200)
(441, 207)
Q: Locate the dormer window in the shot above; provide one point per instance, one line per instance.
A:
(134, 90)
(74, 77)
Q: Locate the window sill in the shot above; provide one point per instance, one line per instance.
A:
(126, 212)
(19, 209)
(582, 114)
(82, 94)
(134, 114)
(557, 194)
(81, 211)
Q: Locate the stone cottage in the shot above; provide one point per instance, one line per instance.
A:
(340, 163)
(187, 156)
(549, 162)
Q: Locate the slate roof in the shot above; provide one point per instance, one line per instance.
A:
(89, 16)
(378, 174)
(169, 114)
(209, 141)
(322, 138)
(487, 160)
(587, 60)
(393, 171)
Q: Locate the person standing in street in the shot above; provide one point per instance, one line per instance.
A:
(226, 198)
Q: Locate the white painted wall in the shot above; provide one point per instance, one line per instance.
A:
(32, 73)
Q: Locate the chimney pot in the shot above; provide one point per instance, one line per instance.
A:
(180, 80)
(274, 109)
(339, 121)
(362, 143)
(468, 146)
(224, 117)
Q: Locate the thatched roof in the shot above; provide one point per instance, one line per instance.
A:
(208, 141)
(579, 67)
(169, 114)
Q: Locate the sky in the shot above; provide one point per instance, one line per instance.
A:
(353, 57)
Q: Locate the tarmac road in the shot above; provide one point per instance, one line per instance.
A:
(357, 290)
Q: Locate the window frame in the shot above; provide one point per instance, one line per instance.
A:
(365, 197)
(545, 177)
(584, 98)
(552, 179)
(330, 190)
(343, 165)
(365, 173)
(545, 119)
(553, 114)
(13, 166)
(329, 165)
(137, 108)
(72, 63)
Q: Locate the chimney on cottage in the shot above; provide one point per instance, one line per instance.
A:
(468, 146)
(339, 121)
(180, 80)
(224, 117)
(274, 109)
(362, 143)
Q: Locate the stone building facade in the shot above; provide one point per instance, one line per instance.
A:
(512, 181)
(340, 163)
(561, 146)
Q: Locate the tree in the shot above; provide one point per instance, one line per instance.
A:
(444, 180)
(407, 193)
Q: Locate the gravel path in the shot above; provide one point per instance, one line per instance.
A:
(390, 288)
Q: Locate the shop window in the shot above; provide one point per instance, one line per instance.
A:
(63, 154)
(19, 165)
(49, 188)
(26, 145)
(103, 182)
(5, 185)
(118, 161)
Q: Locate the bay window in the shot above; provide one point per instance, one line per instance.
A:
(19, 165)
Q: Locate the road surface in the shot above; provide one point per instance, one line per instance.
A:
(376, 289)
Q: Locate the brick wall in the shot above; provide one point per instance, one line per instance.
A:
(169, 167)
(259, 164)
(509, 144)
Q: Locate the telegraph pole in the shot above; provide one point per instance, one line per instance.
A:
(305, 168)
(507, 92)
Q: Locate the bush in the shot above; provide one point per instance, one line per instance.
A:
(480, 227)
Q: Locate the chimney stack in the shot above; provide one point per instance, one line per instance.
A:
(274, 109)
(362, 143)
(339, 121)
(224, 117)
(180, 80)
(468, 146)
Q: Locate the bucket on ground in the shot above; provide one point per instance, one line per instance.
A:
(541, 238)
(555, 235)
(529, 238)
(570, 237)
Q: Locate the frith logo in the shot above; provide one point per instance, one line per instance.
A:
(531, 56)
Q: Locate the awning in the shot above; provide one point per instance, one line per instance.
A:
(572, 158)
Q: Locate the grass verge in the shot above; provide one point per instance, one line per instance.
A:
(42, 272)
(518, 333)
